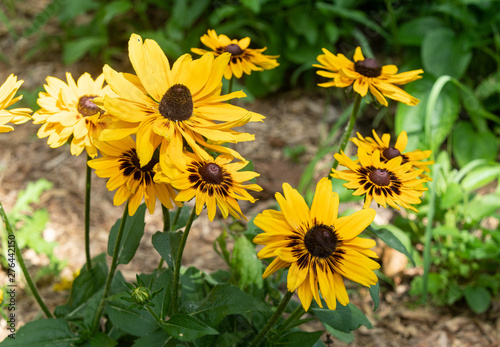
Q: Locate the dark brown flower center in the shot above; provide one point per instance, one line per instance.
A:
(211, 173)
(177, 103)
(130, 165)
(390, 153)
(86, 106)
(368, 67)
(234, 49)
(380, 177)
(321, 241)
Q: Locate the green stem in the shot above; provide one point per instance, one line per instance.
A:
(299, 311)
(273, 319)
(87, 215)
(176, 217)
(155, 316)
(112, 270)
(349, 127)
(166, 219)
(20, 260)
(178, 260)
(428, 231)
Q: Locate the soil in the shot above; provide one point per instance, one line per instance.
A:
(293, 118)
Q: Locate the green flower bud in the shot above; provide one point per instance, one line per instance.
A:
(141, 295)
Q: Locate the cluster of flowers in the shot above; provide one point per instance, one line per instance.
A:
(161, 133)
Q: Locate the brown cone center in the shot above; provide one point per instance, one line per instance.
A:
(234, 49)
(177, 103)
(211, 173)
(86, 106)
(368, 68)
(380, 177)
(390, 153)
(321, 241)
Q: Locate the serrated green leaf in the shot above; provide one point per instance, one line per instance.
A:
(30, 195)
(478, 299)
(187, 328)
(43, 333)
(132, 234)
(247, 268)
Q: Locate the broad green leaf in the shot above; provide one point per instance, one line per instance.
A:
(298, 339)
(231, 339)
(156, 338)
(167, 245)
(451, 196)
(444, 231)
(388, 237)
(187, 328)
(115, 8)
(87, 283)
(469, 144)
(478, 299)
(412, 33)
(226, 299)
(134, 321)
(183, 218)
(442, 116)
(70, 10)
(74, 50)
(342, 336)
(344, 318)
(247, 268)
(101, 340)
(483, 205)
(253, 5)
(445, 53)
(481, 176)
(132, 234)
(43, 333)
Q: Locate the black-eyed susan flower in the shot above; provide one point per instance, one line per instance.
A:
(68, 111)
(213, 183)
(243, 59)
(16, 115)
(388, 151)
(318, 247)
(173, 106)
(366, 75)
(132, 181)
(388, 183)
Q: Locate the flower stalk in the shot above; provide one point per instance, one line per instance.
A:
(20, 260)
(178, 260)
(88, 185)
(279, 311)
(112, 270)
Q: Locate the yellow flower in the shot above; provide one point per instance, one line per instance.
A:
(68, 110)
(243, 59)
(388, 183)
(170, 107)
(366, 74)
(132, 180)
(17, 115)
(319, 247)
(388, 152)
(214, 183)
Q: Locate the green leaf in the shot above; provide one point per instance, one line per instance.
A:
(44, 332)
(444, 231)
(388, 237)
(30, 195)
(441, 47)
(156, 338)
(187, 328)
(412, 33)
(481, 176)
(87, 283)
(375, 294)
(298, 339)
(74, 50)
(247, 268)
(469, 144)
(483, 205)
(226, 299)
(132, 234)
(478, 299)
(184, 215)
(70, 10)
(166, 244)
(114, 9)
(441, 117)
(253, 5)
(344, 318)
(101, 340)
(452, 195)
(342, 336)
(134, 321)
